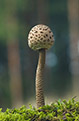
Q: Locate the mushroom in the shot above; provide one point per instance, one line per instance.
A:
(40, 38)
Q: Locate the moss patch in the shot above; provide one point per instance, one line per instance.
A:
(58, 111)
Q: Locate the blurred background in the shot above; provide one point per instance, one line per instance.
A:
(18, 62)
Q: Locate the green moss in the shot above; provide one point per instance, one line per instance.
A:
(58, 111)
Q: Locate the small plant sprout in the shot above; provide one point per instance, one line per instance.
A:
(40, 39)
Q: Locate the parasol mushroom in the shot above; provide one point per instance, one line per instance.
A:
(40, 39)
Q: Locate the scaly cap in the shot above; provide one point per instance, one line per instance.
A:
(40, 37)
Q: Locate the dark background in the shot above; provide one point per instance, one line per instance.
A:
(18, 62)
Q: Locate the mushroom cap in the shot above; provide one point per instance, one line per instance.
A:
(40, 37)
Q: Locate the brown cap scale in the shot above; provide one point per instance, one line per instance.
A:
(40, 38)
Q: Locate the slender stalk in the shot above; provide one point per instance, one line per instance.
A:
(39, 79)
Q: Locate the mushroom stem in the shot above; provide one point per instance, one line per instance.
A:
(39, 79)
